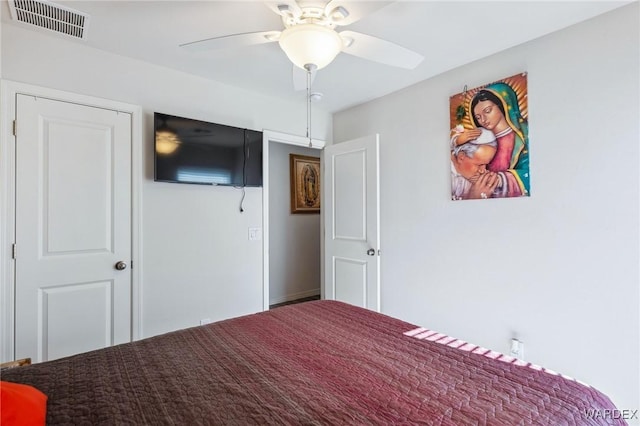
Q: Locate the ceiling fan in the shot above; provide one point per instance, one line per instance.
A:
(310, 40)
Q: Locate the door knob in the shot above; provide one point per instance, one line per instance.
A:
(371, 252)
(121, 265)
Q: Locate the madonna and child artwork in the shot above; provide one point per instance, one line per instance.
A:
(489, 141)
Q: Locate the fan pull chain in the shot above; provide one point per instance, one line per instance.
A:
(309, 68)
(309, 106)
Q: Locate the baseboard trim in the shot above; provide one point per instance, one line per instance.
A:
(294, 296)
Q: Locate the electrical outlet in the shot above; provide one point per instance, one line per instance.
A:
(517, 349)
(255, 234)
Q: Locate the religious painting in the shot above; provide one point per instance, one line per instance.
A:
(489, 141)
(305, 183)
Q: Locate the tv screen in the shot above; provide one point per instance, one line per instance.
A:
(193, 151)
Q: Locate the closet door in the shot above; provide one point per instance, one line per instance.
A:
(73, 228)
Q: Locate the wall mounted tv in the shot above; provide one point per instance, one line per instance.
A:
(193, 151)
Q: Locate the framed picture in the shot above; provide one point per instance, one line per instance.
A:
(489, 140)
(305, 183)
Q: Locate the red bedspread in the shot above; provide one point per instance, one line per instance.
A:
(314, 363)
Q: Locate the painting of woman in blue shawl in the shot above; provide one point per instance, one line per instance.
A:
(496, 107)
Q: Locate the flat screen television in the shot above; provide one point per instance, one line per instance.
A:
(193, 151)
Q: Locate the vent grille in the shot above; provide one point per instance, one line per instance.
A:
(50, 16)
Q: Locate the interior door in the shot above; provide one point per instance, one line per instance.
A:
(73, 226)
(352, 230)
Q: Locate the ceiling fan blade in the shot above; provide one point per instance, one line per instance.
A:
(378, 50)
(232, 41)
(356, 10)
(300, 78)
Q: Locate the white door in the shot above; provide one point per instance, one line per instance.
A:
(73, 224)
(352, 230)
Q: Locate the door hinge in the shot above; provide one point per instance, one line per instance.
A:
(13, 251)
(131, 264)
(15, 128)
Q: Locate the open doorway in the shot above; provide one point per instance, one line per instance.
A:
(292, 257)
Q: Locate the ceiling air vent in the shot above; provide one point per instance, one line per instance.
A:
(50, 16)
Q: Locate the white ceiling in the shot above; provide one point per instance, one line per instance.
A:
(447, 33)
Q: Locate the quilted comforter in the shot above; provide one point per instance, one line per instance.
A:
(321, 362)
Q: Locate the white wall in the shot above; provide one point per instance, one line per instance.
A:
(294, 241)
(559, 269)
(197, 260)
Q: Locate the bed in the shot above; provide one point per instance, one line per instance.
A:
(320, 362)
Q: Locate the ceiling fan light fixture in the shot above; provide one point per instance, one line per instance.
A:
(310, 44)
